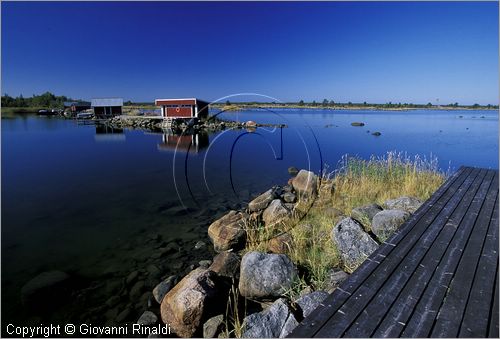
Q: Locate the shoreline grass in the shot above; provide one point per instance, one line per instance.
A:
(355, 182)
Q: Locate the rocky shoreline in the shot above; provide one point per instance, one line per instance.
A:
(179, 125)
(213, 299)
(244, 292)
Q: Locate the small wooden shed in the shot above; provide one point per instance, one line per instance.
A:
(107, 106)
(183, 108)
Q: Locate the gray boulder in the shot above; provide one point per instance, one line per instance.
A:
(213, 326)
(147, 318)
(365, 213)
(262, 201)
(265, 275)
(386, 222)
(353, 244)
(275, 213)
(275, 322)
(310, 302)
(408, 204)
(228, 232)
(305, 184)
(226, 264)
(162, 288)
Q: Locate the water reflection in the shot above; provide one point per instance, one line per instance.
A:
(107, 133)
(191, 142)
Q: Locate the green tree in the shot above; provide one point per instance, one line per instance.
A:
(325, 102)
(332, 102)
(475, 105)
(301, 103)
(429, 104)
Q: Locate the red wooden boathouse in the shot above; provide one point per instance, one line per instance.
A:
(183, 108)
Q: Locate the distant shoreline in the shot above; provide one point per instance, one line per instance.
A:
(237, 107)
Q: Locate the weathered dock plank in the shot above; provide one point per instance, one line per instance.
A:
(434, 277)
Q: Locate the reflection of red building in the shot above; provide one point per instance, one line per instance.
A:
(184, 142)
(183, 108)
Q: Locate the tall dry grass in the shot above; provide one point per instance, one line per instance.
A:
(356, 182)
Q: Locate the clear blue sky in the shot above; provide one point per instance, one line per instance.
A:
(343, 51)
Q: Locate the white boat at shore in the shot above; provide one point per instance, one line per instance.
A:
(85, 115)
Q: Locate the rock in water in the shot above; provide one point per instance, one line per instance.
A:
(228, 232)
(147, 318)
(275, 213)
(408, 204)
(309, 302)
(386, 222)
(275, 322)
(357, 124)
(353, 244)
(226, 264)
(293, 170)
(262, 201)
(366, 212)
(265, 275)
(43, 287)
(305, 184)
(189, 303)
(213, 326)
(162, 288)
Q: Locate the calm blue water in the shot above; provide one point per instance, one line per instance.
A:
(88, 203)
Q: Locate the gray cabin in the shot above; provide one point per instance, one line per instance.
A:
(105, 107)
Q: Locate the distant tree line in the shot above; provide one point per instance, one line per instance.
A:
(330, 103)
(46, 99)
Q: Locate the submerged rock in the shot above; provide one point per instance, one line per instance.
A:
(228, 232)
(275, 322)
(293, 170)
(190, 302)
(311, 301)
(199, 245)
(386, 222)
(353, 244)
(305, 184)
(377, 134)
(408, 204)
(265, 275)
(147, 318)
(357, 124)
(43, 287)
(162, 288)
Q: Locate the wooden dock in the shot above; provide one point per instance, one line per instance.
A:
(437, 276)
